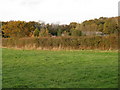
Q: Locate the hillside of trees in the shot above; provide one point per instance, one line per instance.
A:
(100, 27)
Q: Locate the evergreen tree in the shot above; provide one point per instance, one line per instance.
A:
(59, 33)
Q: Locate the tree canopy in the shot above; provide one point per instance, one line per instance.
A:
(37, 29)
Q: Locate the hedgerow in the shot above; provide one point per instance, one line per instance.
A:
(82, 42)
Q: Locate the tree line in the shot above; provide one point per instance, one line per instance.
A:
(20, 29)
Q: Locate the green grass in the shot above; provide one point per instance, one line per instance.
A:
(59, 69)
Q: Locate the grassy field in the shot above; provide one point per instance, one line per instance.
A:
(59, 69)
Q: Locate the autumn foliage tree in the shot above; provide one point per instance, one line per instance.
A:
(44, 32)
(28, 29)
(110, 26)
(18, 29)
(36, 32)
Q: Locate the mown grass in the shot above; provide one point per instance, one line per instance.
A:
(59, 69)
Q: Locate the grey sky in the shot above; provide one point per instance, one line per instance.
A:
(52, 11)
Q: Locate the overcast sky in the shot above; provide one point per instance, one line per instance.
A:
(57, 11)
